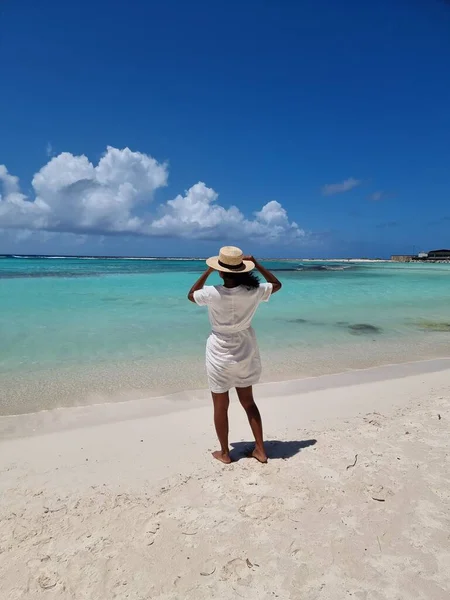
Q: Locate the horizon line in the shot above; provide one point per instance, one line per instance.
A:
(110, 256)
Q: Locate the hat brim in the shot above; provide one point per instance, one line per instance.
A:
(213, 262)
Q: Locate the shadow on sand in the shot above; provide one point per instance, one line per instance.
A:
(274, 448)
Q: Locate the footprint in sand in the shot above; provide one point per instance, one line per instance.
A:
(21, 533)
(301, 495)
(46, 582)
(261, 509)
(151, 529)
(237, 570)
(375, 419)
(301, 572)
(379, 492)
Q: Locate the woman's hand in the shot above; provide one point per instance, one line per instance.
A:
(199, 283)
(250, 258)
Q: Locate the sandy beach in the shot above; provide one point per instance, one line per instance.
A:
(124, 501)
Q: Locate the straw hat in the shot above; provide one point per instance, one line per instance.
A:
(230, 260)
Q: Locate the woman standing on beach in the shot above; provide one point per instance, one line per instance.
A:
(232, 355)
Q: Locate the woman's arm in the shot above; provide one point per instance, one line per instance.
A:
(198, 285)
(268, 276)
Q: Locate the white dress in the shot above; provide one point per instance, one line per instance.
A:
(232, 355)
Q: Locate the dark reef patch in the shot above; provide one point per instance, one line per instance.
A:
(300, 321)
(364, 329)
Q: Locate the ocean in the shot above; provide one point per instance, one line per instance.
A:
(86, 330)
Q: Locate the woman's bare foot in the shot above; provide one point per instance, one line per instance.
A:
(223, 457)
(260, 455)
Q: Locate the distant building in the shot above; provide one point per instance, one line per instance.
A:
(403, 257)
(439, 255)
(432, 256)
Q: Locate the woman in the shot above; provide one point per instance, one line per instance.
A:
(232, 355)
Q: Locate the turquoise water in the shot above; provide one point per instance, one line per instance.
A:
(82, 330)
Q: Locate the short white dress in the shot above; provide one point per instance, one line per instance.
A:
(232, 354)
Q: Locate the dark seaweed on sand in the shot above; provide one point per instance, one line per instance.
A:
(434, 326)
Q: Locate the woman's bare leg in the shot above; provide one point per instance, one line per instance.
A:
(221, 403)
(254, 418)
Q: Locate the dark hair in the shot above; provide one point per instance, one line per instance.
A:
(248, 280)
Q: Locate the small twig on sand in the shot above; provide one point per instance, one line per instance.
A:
(350, 466)
(189, 533)
(378, 499)
(379, 543)
(208, 574)
(249, 564)
(53, 510)
(439, 417)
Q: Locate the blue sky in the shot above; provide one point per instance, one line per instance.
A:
(326, 124)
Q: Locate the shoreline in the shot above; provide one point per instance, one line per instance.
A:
(353, 501)
(104, 412)
(109, 382)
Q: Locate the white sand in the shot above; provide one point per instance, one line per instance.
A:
(121, 502)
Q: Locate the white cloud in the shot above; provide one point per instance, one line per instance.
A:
(196, 215)
(71, 195)
(338, 188)
(10, 183)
